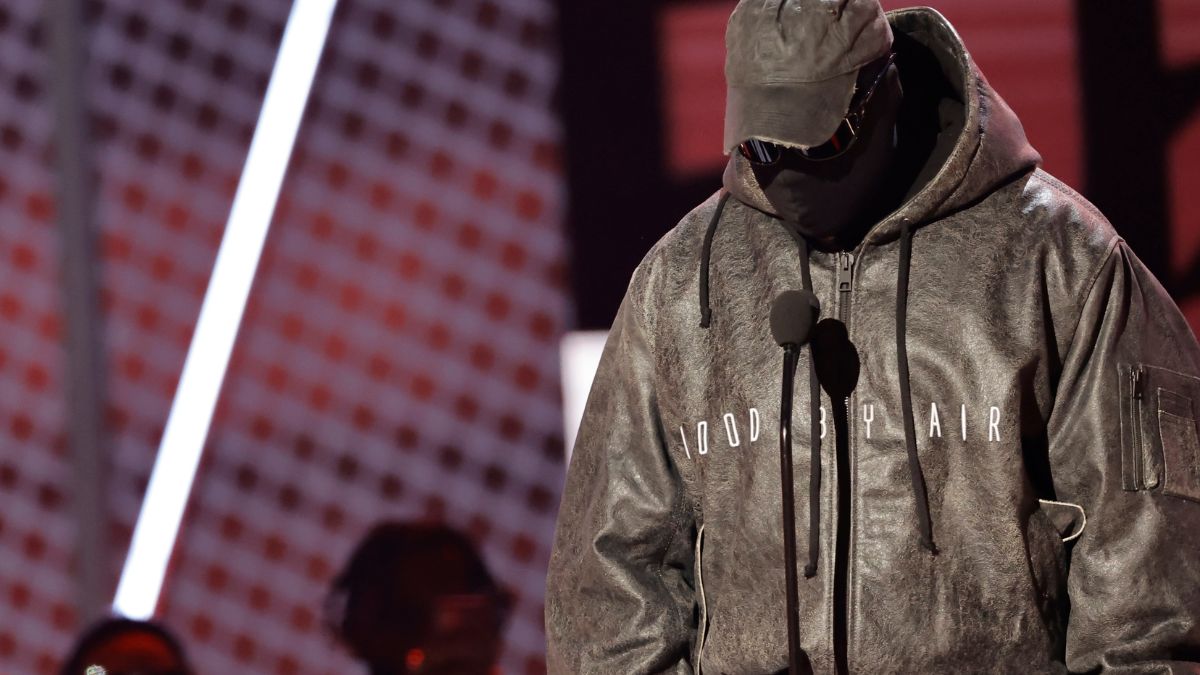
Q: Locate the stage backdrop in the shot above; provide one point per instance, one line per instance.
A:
(398, 359)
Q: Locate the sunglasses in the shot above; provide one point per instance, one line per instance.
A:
(765, 153)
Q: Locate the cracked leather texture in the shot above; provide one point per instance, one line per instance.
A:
(1022, 298)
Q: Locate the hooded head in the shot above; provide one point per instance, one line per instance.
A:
(796, 69)
(958, 139)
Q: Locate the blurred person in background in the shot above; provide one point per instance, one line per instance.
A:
(418, 598)
(127, 647)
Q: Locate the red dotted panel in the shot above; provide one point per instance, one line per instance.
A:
(399, 356)
(176, 91)
(398, 359)
(37, 532)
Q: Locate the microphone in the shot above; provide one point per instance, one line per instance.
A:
(792, 319)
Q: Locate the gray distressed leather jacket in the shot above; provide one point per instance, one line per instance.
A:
(1009, 483)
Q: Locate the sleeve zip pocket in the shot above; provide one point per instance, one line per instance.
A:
(1135, 472)
(1160, 447)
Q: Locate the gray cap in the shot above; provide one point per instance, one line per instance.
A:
(791, 66)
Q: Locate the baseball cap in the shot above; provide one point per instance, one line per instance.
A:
(791, 66)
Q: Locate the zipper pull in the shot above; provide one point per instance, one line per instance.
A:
(1139, 383)
(845, 273)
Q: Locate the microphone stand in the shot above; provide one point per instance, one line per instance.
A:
(791, 355)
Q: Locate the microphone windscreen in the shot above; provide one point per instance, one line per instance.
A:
(793, 316)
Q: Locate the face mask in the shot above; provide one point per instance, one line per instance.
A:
(834, 199)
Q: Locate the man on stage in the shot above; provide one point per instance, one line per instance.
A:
(997, 459)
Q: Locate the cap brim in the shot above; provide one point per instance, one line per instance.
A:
(800, 114)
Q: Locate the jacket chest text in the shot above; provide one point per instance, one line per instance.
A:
(732, 430)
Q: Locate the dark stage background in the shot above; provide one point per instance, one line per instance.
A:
(472, 178)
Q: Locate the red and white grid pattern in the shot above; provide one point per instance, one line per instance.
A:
(176, 89)
(37, 530)
(398, 357)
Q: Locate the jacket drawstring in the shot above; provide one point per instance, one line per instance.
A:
(910, 430)
(814, 417)
(814, 443)
(705, 261)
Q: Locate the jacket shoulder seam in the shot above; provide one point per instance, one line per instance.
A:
(1070, 193)
(1113, 243)
(1091, 286)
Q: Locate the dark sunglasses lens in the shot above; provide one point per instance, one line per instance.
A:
(761, 152)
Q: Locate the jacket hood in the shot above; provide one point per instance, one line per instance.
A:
(980, 142)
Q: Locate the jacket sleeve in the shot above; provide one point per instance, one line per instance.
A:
(618, 593)
(1123, 445)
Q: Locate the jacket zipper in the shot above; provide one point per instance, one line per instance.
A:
(1138, 385)
(845, 285)
(703, 600)
(845, 281)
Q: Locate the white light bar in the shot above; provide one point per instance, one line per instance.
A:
(580, 354)
(224, 303)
